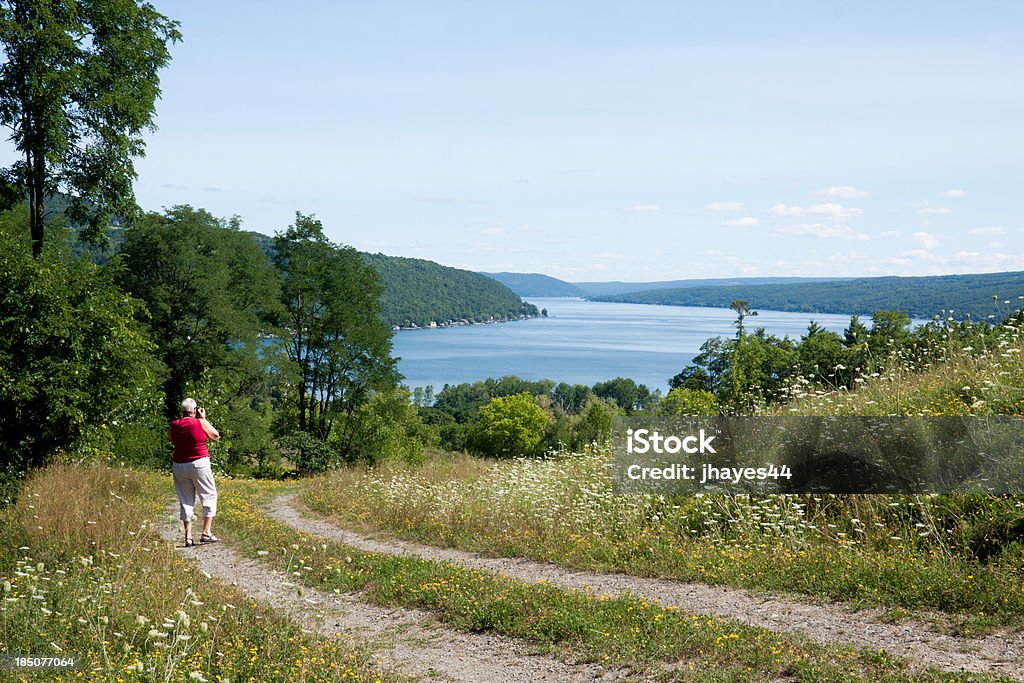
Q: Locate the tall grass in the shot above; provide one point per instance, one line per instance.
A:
(614, 631)
(959, 554)
(85, 573)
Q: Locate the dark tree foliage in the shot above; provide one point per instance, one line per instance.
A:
(334, 335)
(627, 394)
(72, 359)
(210, 292)
(78, 88)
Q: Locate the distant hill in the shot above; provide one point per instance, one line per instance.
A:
(538, 285)
(615, 287)
(921, 297)
(419, 291)
(535, 284)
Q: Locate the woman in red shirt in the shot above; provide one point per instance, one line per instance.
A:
(191, 468)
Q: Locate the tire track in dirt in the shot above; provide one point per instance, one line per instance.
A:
(407, 640)
(913, 640)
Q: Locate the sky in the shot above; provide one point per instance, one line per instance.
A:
(608, 140)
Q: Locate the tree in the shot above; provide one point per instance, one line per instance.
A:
(509, 426)
(211, 293)
(629, 395)
(743, 311)
(78, 88)
(819, 354)
(335, 339)
(74, 365)
(739, 363)
(389, 427)
(890, 332)
(688, 403)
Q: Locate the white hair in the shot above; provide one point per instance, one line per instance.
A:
(188, 406)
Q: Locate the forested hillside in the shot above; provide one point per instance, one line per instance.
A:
(978, 296)
(419, 292)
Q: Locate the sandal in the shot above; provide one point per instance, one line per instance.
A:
(189, 542)
(208, 538)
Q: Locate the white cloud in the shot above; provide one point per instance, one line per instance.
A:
(953, 194)
(836, 211)
(821, 230)
(934, 211)
(891, 233)
(725, 206)
(644, 208)
(833, 210)
(493, 230)
(842, 192)
(991, 230)
(927, 239)
(745, 222)
(783, 210)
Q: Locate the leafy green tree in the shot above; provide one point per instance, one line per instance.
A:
(629, 395)
(856, 333)
(78, 89)
(74, 365)
(509, 426)
(595, 422)
(211, 294)
(741, 371)
(819, 354)
(388, 427)
(571, 397)
(334, 337)
(855, 354)
(688, 402)
(890, 331)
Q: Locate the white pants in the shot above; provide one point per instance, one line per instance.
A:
(191, 478)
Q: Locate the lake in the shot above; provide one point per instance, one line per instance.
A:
(582, 342)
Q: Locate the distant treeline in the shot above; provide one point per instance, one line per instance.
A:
(981, 297)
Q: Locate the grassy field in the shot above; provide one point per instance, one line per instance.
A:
(580, 627)
(86, 573)
(905, 553)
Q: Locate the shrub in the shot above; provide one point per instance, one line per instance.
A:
(689, 402)
(308, 453)
(509, 426)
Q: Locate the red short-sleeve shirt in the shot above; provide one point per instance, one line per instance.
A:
(189, 440)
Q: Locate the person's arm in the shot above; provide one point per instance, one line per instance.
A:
(211, 431)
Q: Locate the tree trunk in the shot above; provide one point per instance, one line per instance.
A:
(37, 209)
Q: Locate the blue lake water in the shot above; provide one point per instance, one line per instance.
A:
(583, 342)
